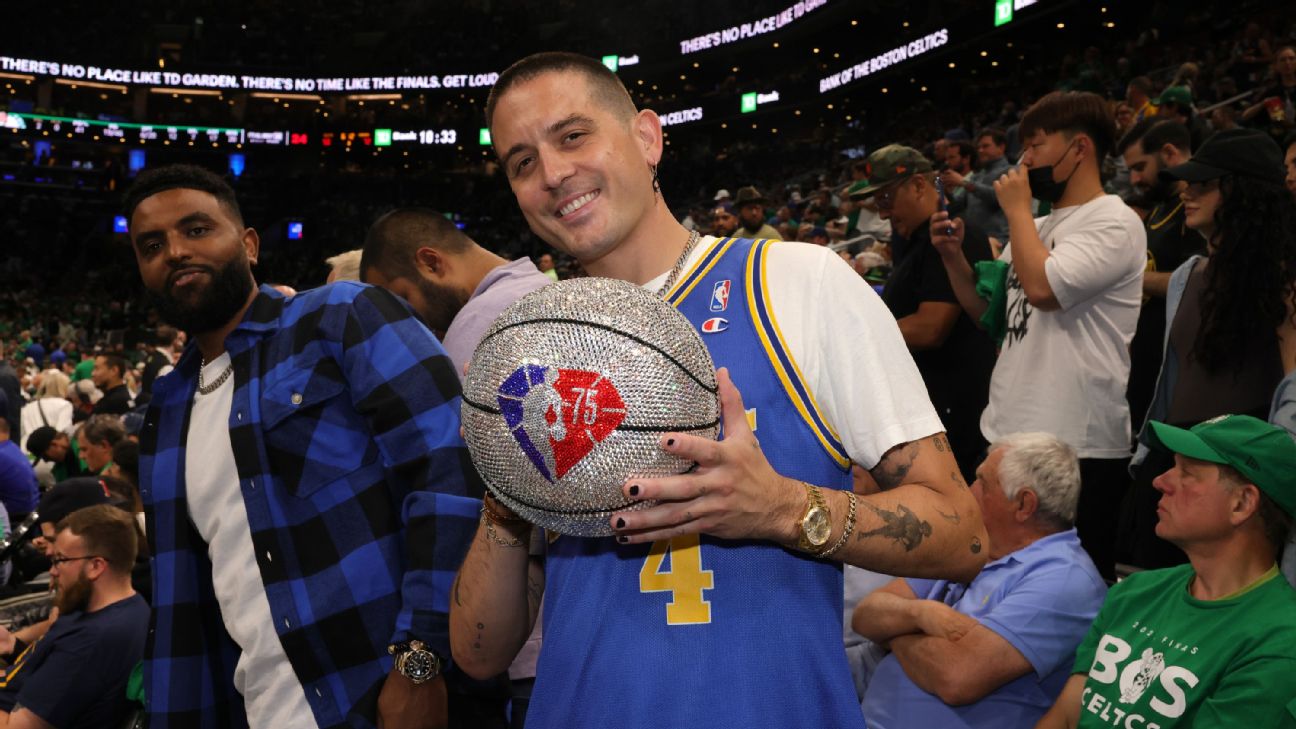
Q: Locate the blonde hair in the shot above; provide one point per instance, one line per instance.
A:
(53, 383)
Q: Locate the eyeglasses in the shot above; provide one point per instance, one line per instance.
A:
(57, 561)
(885, 199)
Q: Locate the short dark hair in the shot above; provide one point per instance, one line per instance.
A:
(606, 86)
(1288, 141)
(165, 335)
(181, 177)
(1142, 83)
(1155, 134)
(392, 240)
(964, 147)
(107, 531)
(125, 455)
(996, 134)
(1072, 112)
(114, 361)
(1276, 522)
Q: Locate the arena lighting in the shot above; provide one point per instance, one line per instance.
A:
(19, 76)
(294, 97)
(190, 92)
(90, 84)
(373, 97)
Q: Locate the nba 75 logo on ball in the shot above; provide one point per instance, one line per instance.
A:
(569, 392)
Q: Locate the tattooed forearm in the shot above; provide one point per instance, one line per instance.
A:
(902, 525)
(895, 465)
(941, 442)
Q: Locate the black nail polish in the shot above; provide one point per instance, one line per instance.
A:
(634, 490)
(620, 523)
(670, 442)
(623, 540)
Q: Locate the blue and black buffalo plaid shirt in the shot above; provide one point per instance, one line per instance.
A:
(360, 497)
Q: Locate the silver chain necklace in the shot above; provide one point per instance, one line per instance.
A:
(679, 264)
(215, 384)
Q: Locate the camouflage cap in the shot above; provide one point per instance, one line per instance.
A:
(888, 164)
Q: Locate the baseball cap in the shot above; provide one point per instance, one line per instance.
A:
(1243, 152)
(890, 163)
(856, 190)
(39, 440)
(819, 230)
(725, 206)
(1264, 454)
(58, 357)
(71, 495)
(723, 194)
(1178, 95)
(749, 195)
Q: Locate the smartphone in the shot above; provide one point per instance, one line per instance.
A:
(942, 204)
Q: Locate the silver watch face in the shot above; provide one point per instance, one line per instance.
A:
(420, 665)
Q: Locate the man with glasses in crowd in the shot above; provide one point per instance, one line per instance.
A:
(76, 674)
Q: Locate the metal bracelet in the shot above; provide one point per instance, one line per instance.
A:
(495, 537)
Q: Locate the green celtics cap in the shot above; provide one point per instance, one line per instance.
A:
(888, 164)
(1264, 454)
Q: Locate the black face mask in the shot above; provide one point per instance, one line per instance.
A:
(1043, 187)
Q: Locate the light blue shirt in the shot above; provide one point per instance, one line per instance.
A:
(1041, 599)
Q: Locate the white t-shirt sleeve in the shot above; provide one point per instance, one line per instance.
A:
(1093, 255)
(849, 350)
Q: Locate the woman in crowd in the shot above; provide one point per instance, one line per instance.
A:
(1229, 314)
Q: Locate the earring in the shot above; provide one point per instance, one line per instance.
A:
(656, 185)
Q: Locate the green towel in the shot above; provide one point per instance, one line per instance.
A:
(991, 285)
(135, 684)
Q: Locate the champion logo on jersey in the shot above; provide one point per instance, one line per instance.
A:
(720, 295)
(715, 325)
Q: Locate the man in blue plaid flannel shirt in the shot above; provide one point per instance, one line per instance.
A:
(307, 492)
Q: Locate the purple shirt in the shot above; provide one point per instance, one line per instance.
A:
(496, 292)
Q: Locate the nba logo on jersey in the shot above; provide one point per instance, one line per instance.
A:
(720, 295)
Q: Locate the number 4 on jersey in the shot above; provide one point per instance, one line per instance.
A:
(686, 581)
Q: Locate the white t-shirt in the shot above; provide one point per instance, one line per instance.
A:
(848, 347)
(1064, 372)
(271, 692)
(57, 412)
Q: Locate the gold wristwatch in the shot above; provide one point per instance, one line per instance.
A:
(415, 662)
(816, 523)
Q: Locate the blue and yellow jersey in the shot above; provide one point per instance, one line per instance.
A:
(698, 631)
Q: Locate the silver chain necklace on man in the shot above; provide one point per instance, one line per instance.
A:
(679, 264)
(215, 384)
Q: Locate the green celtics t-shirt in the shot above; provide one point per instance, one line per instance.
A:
(1156, 657)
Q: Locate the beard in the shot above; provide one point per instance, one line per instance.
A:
(441, 304)
(752, 227)
(213, 306)
(74, 598)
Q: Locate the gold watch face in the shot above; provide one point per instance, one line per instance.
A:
(816, 526)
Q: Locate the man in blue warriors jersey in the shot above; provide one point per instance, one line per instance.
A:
(720, 606)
